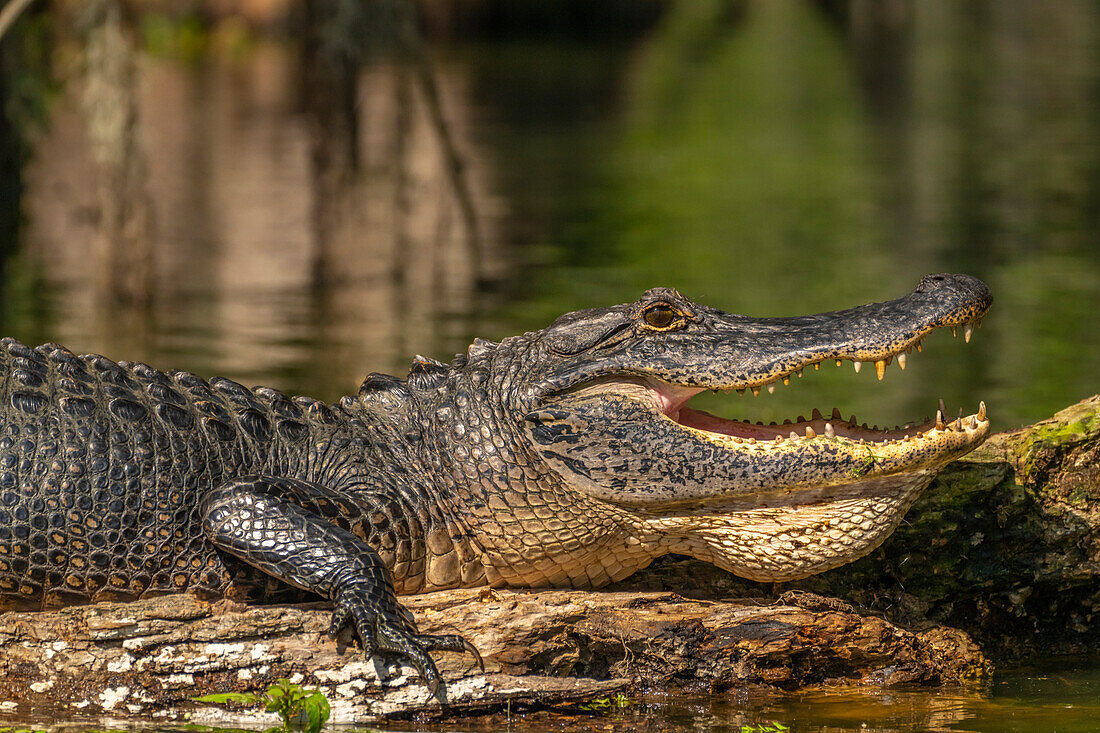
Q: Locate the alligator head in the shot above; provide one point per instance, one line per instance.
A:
(608, 411)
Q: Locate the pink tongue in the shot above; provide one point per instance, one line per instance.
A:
(673, 398)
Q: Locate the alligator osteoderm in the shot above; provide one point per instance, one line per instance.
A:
(562, 457)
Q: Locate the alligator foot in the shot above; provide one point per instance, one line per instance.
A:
(392, 632)
(282, 527)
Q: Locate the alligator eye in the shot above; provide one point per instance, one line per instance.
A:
(660, 316)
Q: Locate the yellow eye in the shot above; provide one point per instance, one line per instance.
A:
(660, 316)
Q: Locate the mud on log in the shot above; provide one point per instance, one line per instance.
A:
(150, 657)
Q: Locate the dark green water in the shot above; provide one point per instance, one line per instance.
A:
(1017, 701)
(765, 158)
(1067, 702)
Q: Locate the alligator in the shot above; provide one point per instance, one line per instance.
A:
(562, 457)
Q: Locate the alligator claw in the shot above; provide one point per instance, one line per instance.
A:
(450, 643)
(389, 629)
(341, 617)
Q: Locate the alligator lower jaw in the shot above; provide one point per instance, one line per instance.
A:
(833, 427)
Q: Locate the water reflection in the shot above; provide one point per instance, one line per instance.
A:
(233, 177)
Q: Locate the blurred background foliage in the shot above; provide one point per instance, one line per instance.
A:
(298, 192)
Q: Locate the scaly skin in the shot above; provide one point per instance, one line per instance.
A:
(562, 457)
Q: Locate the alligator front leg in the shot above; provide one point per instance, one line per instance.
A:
(285, 527)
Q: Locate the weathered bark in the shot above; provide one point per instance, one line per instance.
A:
(1004, 544)
(151, 657)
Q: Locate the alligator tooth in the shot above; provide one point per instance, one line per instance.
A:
(943, 407)
(772, 424)
(959, 423)
(817, 365)
(864, 426)
(967, 331)
(787, 421)
(889, 360)
(973, 423)
(954, 331)
(838, 362)
(979, 323)
(786, 381)
(919, 349)
(740, 393)
(810, 432)
(880, 369)
(778, 436)
(939, 420)
(752, 440)
(852, 419)
(905, 439)
(799, 373)
(794, 435)
(829, 432)
(816, 414)
(801, 418)
(759, 422)
(901, 361)
(771, 388)
(857, 365)
(836, 413)
(755, 391)
(981, 411)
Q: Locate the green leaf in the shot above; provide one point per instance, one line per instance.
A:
(318, 710)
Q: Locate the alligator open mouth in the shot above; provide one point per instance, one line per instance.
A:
(969, 428)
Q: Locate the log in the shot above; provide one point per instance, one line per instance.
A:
(1004, 545)
(150, 657)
